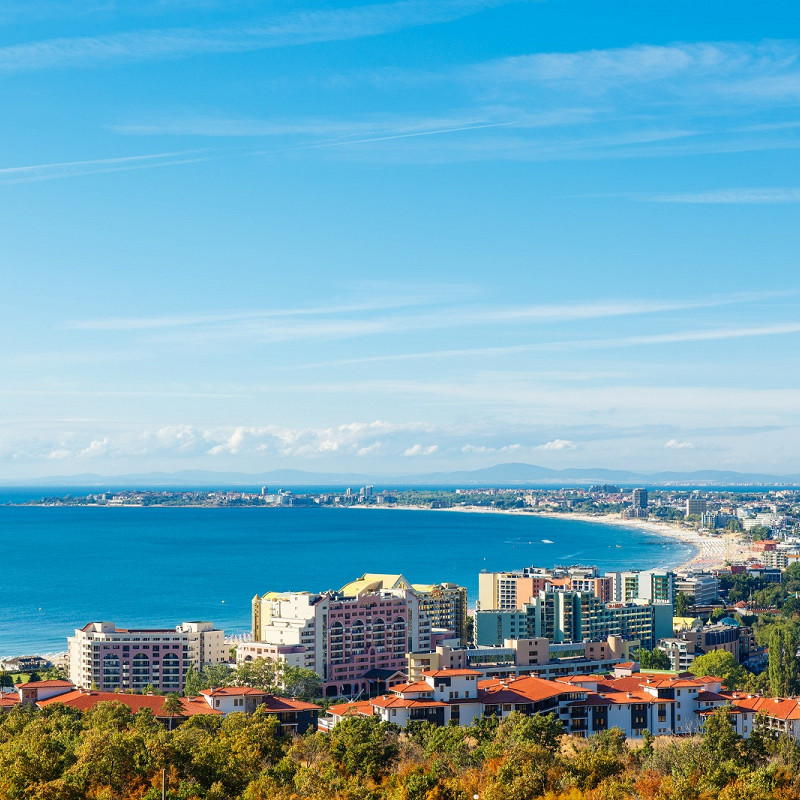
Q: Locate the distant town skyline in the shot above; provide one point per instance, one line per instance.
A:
(397, 238)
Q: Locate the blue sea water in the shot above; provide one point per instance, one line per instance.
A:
(63, 567)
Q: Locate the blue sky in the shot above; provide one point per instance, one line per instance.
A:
(398, 237)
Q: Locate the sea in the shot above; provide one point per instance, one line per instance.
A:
(62, 567)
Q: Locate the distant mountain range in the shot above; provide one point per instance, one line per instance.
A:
(514, 474)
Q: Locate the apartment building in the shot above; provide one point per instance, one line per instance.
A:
(509, 591)
(688, 644)
(695, 506)
(355, 639)
(576, 617)
(703, 586)
(106, 657)
(657, 586)
(445, 604)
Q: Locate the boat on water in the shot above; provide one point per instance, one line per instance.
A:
(547, 541)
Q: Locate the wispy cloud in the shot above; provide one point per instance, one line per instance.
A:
(674, 337)
(71, 169)
(353, 320)
(740, 196)
(298, 28)
(329, 132)
(222, 317)
(748, 70)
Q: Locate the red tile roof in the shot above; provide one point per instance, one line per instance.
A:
(778, 707)
(592, 700)
(278, 704)
(348, 709)
(231, 691)
(416, 686)
(628, 698)
(55, 684)
(84, 701)
(711, 696)
(393, 701)
(527, 689)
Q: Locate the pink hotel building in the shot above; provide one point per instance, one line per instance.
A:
(355, 639)
(108, 658)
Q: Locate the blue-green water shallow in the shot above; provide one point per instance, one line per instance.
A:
(63, 567)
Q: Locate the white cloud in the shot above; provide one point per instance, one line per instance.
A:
(300, 324)
(369, 450)
(98, 166)
(419, 450)
(472, 448)
(723, 68)
(288, 30)
(674, 444)
(740, 196)
(557, 444)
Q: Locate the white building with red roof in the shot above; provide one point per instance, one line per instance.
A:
(34, 691)
(662, 703)
(295, 716)
(775, 714)
(442, 697)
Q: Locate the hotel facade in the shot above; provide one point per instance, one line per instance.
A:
(106, 657)
(355, 639)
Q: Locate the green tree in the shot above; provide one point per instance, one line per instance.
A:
(364, 746)
(721, 664)
(173, 707)
(301, 682)
(469, 630)
(684, 604)
(602, 759)
(108, 716)
(193, 682)
(261, 673)
(720, 740)
(653, 659)
(782, 669)
(218, 675)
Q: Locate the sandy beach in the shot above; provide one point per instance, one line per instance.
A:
(713, 551)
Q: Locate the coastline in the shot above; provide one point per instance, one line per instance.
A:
(711, 552)
(696, 550)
